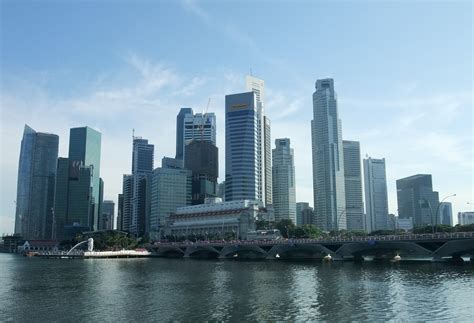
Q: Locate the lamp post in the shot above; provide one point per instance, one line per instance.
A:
(437, 209)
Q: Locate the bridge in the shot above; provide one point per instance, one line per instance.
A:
(435, 247)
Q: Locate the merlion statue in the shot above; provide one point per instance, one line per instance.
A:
(90, 244)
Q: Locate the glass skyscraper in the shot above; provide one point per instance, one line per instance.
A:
(180, 132)
(417, 200)
(353, 186)
(85, 146)
(35, 190)
(328, 161)
(284, 193)
(376, 200)
(243, 171)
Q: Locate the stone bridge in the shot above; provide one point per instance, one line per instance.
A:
(435, 247)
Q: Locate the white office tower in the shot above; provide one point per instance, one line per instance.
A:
(258, 87)
(284, 195)
(376, 201)
(328, 161)
(353, 186)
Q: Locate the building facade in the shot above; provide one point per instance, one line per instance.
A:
(85, 147)
(243, 159)
(417, 200)
(353, 186)
(465, 218)
(284, 191)
(108, 215)
(376, 199)
(170, 188)
(36, 182)
(328, 161)
(300, 206)
(445, 213)
(214, 219)
(180, 131)
(201, 158)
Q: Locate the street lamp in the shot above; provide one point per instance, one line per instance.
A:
(437, 209)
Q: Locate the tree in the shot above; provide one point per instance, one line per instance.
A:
(286, 227)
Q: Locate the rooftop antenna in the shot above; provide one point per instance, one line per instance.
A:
(133, 133)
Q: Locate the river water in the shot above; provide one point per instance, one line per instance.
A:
(158, 289)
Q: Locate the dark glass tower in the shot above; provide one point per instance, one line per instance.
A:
(201, 157)
(180, 131)
(35, 190)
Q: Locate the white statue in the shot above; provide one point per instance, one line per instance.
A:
(90, 244)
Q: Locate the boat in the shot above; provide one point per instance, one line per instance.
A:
(31, 254)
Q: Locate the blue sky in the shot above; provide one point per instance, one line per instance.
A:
(403, 73)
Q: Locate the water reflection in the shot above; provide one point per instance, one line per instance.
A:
(193, 290)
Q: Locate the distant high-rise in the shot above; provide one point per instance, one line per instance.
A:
(284, 195)
(35, 190)
(417, 200)
(137, 188)
(465, 218)
(376, 201)
(120, 212)
(180, 131)
(353, 186)
(201, 158)
(84, 146)
(445, 213)
(300, 206)
(243, 158)
(108, 215)
(328, 161)
(170, 189)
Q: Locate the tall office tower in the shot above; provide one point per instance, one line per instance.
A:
(265, 140)
(170, 188)
(328, 161)
(445, 213)
(300, 207)
(142, 168)
(84, 146)
(243, 171)
(180, 131)
(127, 194)
(101, 200)
(108, 215)
(284, 195)
(35, 190)
(220, 190)
(73, 208)
(120, 212)
(417, 200)
(201, 158)
(307, 216)
(376, 200)
(353, 186)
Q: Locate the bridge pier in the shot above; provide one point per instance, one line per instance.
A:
(457, 259)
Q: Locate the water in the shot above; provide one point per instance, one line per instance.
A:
(157, 289)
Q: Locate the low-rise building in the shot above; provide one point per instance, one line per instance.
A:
(215, 218)
(39, 245)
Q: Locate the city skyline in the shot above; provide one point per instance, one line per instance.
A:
(423, 128)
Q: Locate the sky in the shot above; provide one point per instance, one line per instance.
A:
(403, 74)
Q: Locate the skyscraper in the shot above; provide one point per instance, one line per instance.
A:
(107, 215)
(120, 212)
(376, 201)
(180, 131)
(137, 188)
(328, 161)
(445, 213)
(35, 190)
(284, 195)
(243, 171)
(73, 207)
(417, 200)
(170, 189)
(300, 206)
(84, 146)
(265, 140)
(353, 186)
(201, 158)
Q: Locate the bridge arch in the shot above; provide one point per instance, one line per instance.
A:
(455, 248)
(367, 248)
(243, 251)
(206, 252)
(295, 251)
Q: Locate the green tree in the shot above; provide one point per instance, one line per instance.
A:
(286, 227)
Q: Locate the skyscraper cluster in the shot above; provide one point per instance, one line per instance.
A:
(60, 197)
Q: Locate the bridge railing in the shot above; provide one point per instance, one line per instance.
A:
(405, 237)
